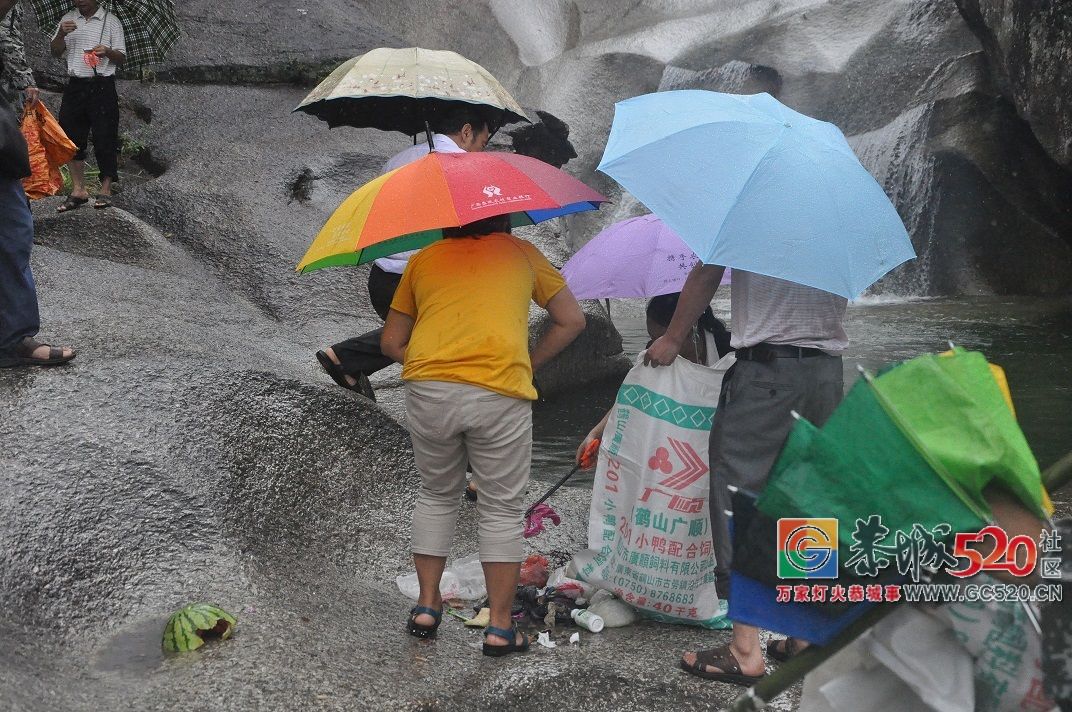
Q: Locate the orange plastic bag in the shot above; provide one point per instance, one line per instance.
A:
(49, 149)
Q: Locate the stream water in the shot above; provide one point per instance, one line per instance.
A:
(1031, 338)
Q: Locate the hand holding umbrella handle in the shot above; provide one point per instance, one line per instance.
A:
(587, 460)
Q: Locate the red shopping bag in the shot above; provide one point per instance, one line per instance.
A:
(49, 149)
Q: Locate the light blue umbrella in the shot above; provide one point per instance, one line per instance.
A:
(751, 184)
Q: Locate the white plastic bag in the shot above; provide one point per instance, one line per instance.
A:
(961, 657)
(464, 580)
(615, 613)
(649, 530)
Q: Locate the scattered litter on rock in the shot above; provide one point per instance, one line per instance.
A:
(481, 620)
(587, 619)
(464, 580)
(575, 639)
(538, 605)
(544, 639)
(615, 612)
(534, 571)
(568, 585)
(534, 521)
(455, 613)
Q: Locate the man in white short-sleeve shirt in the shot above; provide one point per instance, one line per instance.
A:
(93, 41)
(788, 339)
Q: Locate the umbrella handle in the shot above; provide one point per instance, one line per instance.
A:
(428, 133)
(1058, 474)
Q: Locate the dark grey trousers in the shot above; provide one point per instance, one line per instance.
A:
(750, 427)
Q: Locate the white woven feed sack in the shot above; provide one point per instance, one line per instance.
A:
(649, 529)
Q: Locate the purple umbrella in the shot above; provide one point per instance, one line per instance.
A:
(638, 257)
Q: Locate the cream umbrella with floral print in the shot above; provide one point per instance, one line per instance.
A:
(402, 89)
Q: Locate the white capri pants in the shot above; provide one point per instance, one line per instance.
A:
(454, 423)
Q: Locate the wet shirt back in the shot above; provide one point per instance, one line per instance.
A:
(469, 298)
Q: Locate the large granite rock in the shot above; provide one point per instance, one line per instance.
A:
(865, 66)
(1029, 48)
(195, 451)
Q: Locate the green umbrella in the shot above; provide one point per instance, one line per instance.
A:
(915, 445)
(149, 26)
(951, 406)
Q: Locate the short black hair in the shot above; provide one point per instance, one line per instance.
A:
(454, 119)
(547, 140)
(661, 310)
(496, 223)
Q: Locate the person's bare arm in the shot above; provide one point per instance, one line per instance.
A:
(567, 322)
(395, 336)
(115, 56)
(595, 433)
(700, 287)
(59, 42)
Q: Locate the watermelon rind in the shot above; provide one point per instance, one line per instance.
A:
(180, 633)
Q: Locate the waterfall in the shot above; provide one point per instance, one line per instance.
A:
(897, 156)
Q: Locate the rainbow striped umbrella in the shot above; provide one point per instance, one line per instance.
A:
(408, 208)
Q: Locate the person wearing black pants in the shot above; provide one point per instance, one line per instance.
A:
(91, 107)
(93, 41)
(359, 356)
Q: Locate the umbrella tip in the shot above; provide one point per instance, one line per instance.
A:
(796, 415)
(952, 346)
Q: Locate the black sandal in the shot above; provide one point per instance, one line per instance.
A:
(497, 651)
(424, 631)
(339, 376)
(72, 203)
(723, 659)
(22, 355)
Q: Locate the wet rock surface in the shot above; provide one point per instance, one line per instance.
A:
(195, 451)
(1029, 47)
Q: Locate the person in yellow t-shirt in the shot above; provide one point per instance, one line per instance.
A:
(458, 324)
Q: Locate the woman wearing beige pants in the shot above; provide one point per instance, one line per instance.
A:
(458, 324)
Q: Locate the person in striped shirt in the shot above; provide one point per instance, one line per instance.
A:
(92, 39)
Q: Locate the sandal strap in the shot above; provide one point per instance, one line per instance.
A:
(425, 610)
(508, 633)
(27, 346)
(721, 658)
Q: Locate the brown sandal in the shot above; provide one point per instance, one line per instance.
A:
(72, 203)
(723, 659)
(785, 648)
(22, 355)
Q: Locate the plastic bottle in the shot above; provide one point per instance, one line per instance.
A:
(587, 620)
